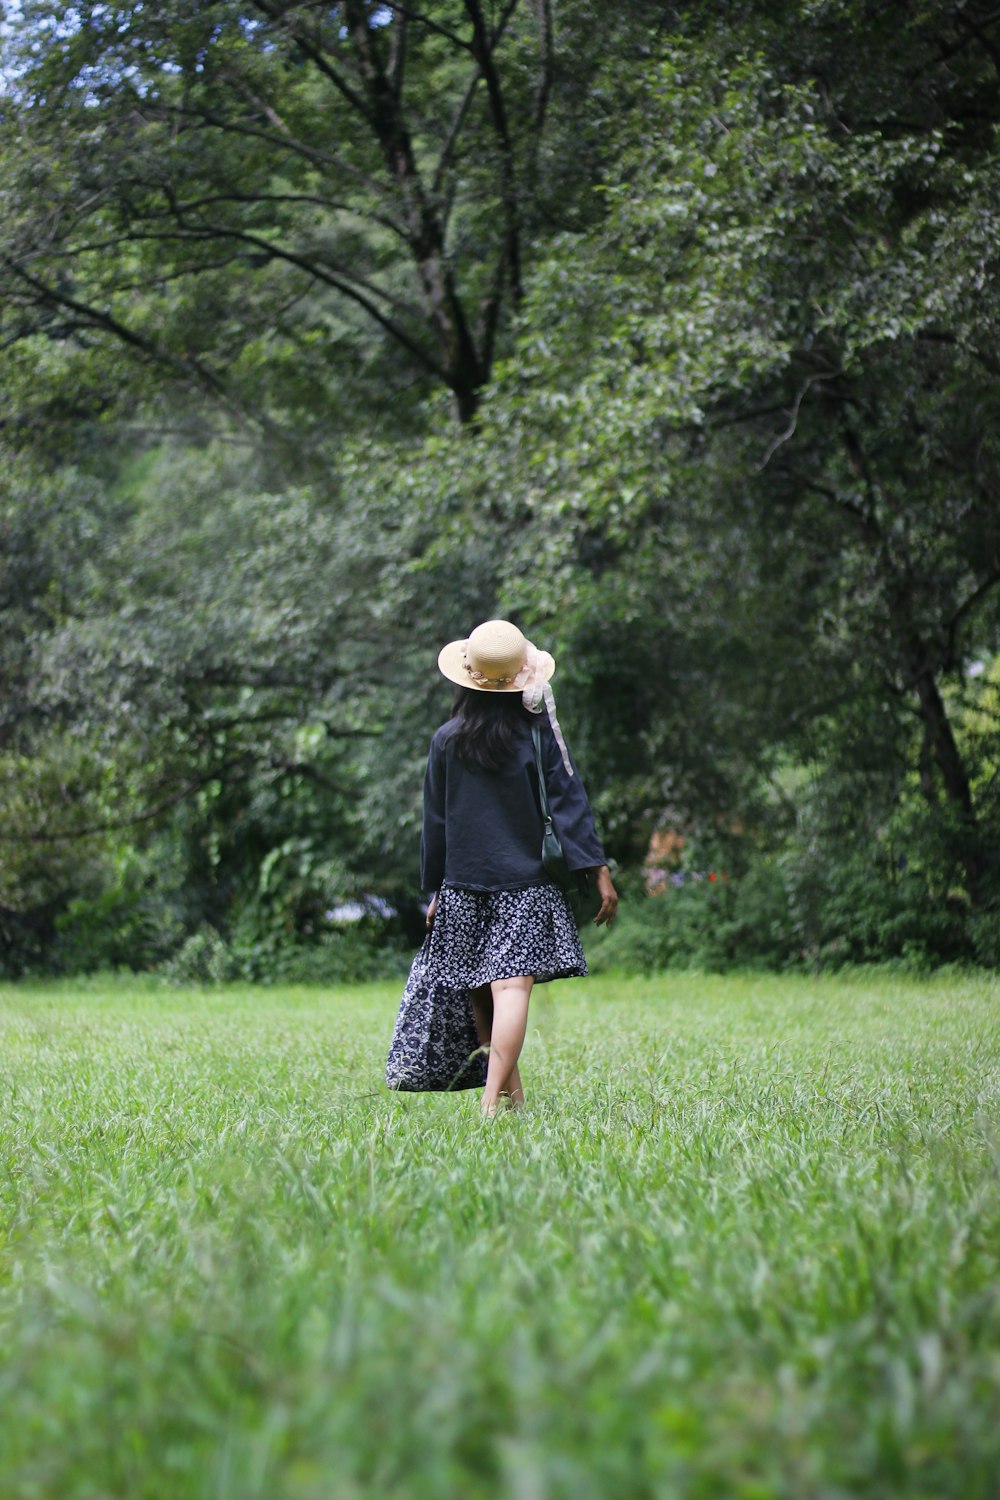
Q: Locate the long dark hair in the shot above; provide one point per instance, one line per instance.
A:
(487, 731)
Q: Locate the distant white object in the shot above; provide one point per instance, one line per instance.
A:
(353, 911)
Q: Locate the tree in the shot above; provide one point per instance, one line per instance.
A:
(732, 454)
(779, 346)
(288, 209)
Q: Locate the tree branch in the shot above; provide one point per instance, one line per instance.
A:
(285, 140)
(483, 50)
(789, 432)
(543, 87)
(866, 522)
(938, 336)
(354, 289)
(397, 54)
(946, 51)
(208, 233)
(318, 199)
(979, 593)
(444, 161)
(978, 31)
(114, 826)
(460, 364)
(94, 317)
(314, 52)
(407, 13)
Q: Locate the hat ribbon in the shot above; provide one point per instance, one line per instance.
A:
(537, 693)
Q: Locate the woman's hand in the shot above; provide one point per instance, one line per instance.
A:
(431, 912)
(608, 895)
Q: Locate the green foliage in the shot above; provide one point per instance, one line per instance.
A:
(287, 932)
(720, 297)
(202, 959)
(133, 921)
(303, 218)
(344, 954)
(984, 932)
(705, 919)
(742, 1242)
(847, 908)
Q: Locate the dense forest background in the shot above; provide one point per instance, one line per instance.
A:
(671, 331)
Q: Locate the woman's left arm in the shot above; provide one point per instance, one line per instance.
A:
(573, 817)
(601, 877)
(571, 811)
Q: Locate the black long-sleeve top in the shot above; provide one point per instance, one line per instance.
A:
(483, 829)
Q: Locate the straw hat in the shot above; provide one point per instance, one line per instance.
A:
(496, 658)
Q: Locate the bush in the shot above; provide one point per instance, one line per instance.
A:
(203, 959)
(984, 931)
(25, 941)
(819, 906)
(347, 954)
(857, 906)
(701, 923)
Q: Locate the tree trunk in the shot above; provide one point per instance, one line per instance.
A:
(457, 353)
(943, 746)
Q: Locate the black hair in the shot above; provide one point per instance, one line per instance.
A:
(487, 732)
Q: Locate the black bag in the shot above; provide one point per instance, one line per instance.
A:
(575, 884)
(434, 1045)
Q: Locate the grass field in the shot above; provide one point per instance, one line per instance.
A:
(744, 1243)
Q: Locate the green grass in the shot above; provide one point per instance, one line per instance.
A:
(743, 1243)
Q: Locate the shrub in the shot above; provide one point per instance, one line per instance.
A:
(131, 922)
(345, 954)
(699, 922)
(984, 932)
(203, 959)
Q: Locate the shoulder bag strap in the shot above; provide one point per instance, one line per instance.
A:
(543, 796)
(572, 883)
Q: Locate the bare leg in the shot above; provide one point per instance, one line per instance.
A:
(510, 1021)
(514, 1091)
(482, 1009)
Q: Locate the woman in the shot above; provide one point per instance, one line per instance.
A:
(498, 924)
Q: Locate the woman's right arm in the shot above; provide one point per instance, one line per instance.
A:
(432, 835)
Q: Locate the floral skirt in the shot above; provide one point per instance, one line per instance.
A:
(479, 936)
